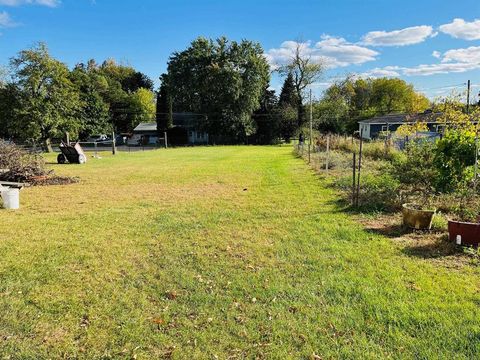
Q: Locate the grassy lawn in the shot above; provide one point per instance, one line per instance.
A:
(219, 252)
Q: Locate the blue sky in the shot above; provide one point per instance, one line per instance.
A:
(433, 44)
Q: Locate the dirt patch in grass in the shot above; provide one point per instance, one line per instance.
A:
(54, 180)
(432, 246)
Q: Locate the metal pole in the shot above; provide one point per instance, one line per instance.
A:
(68, 138)
(387, 138)
(165, 138)
(359, 166)
(477, 161)
(328, 152)
(354, 167)
(311, 126)
(468, 97)
(96, 153)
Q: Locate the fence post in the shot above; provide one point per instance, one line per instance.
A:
(477, 161)
(359, 166)
(114, 148)
(354, 168)
(328, 153)
(387, 138)
(165, 138)
(96, 150)
(68, 138)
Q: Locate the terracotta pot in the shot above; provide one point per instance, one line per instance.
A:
(464, 233)
(416, 218)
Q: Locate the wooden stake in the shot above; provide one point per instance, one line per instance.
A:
(114, 147)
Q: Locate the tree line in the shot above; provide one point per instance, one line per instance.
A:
(226, 84)
(41, 98)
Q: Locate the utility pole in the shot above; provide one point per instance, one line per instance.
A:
(468, 97)
(311, 127)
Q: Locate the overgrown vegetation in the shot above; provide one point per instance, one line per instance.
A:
(432, 174)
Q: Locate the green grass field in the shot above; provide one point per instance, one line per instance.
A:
(218, 252)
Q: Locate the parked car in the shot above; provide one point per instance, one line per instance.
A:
(98, 138)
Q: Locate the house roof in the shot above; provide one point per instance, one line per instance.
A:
(179, 119)
(146, 126)
(428, 117)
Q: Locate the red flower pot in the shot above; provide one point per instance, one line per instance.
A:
(464, 233)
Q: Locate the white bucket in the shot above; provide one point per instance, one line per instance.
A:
(11, 199)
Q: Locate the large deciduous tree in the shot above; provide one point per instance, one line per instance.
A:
(221, 79)
(142, 106)
(49, 102)
(127, 105)
(94, 111)
(347, 101)
(305, 71)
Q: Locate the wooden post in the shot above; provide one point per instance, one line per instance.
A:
(328, 152)
(354, 168)
(165, 138)
(359, 166)
(114, 148)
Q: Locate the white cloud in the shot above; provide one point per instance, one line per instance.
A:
(461, 29)
(407, 36)
(469, 55)
(49, 3)
(332, 51)
(6, 20)
(387, 71)
(436, 54)
(442, 68)
(452, 61)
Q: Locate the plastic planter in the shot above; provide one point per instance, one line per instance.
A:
(464, 233)
(417, 218)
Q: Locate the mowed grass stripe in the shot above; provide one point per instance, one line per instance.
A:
(234, 252)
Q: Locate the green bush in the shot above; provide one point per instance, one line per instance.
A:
(454, 155)
(416, 170)
(379, 193)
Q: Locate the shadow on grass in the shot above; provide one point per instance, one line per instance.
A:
(437, 248)
(390, 230)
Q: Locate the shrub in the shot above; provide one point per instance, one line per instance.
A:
(454, 155)
(376, 150)
(379, 193)
(416, 170)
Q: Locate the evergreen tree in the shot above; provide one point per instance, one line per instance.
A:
(267, 119)
(164, 110)
(288, 95)
(288, 108)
